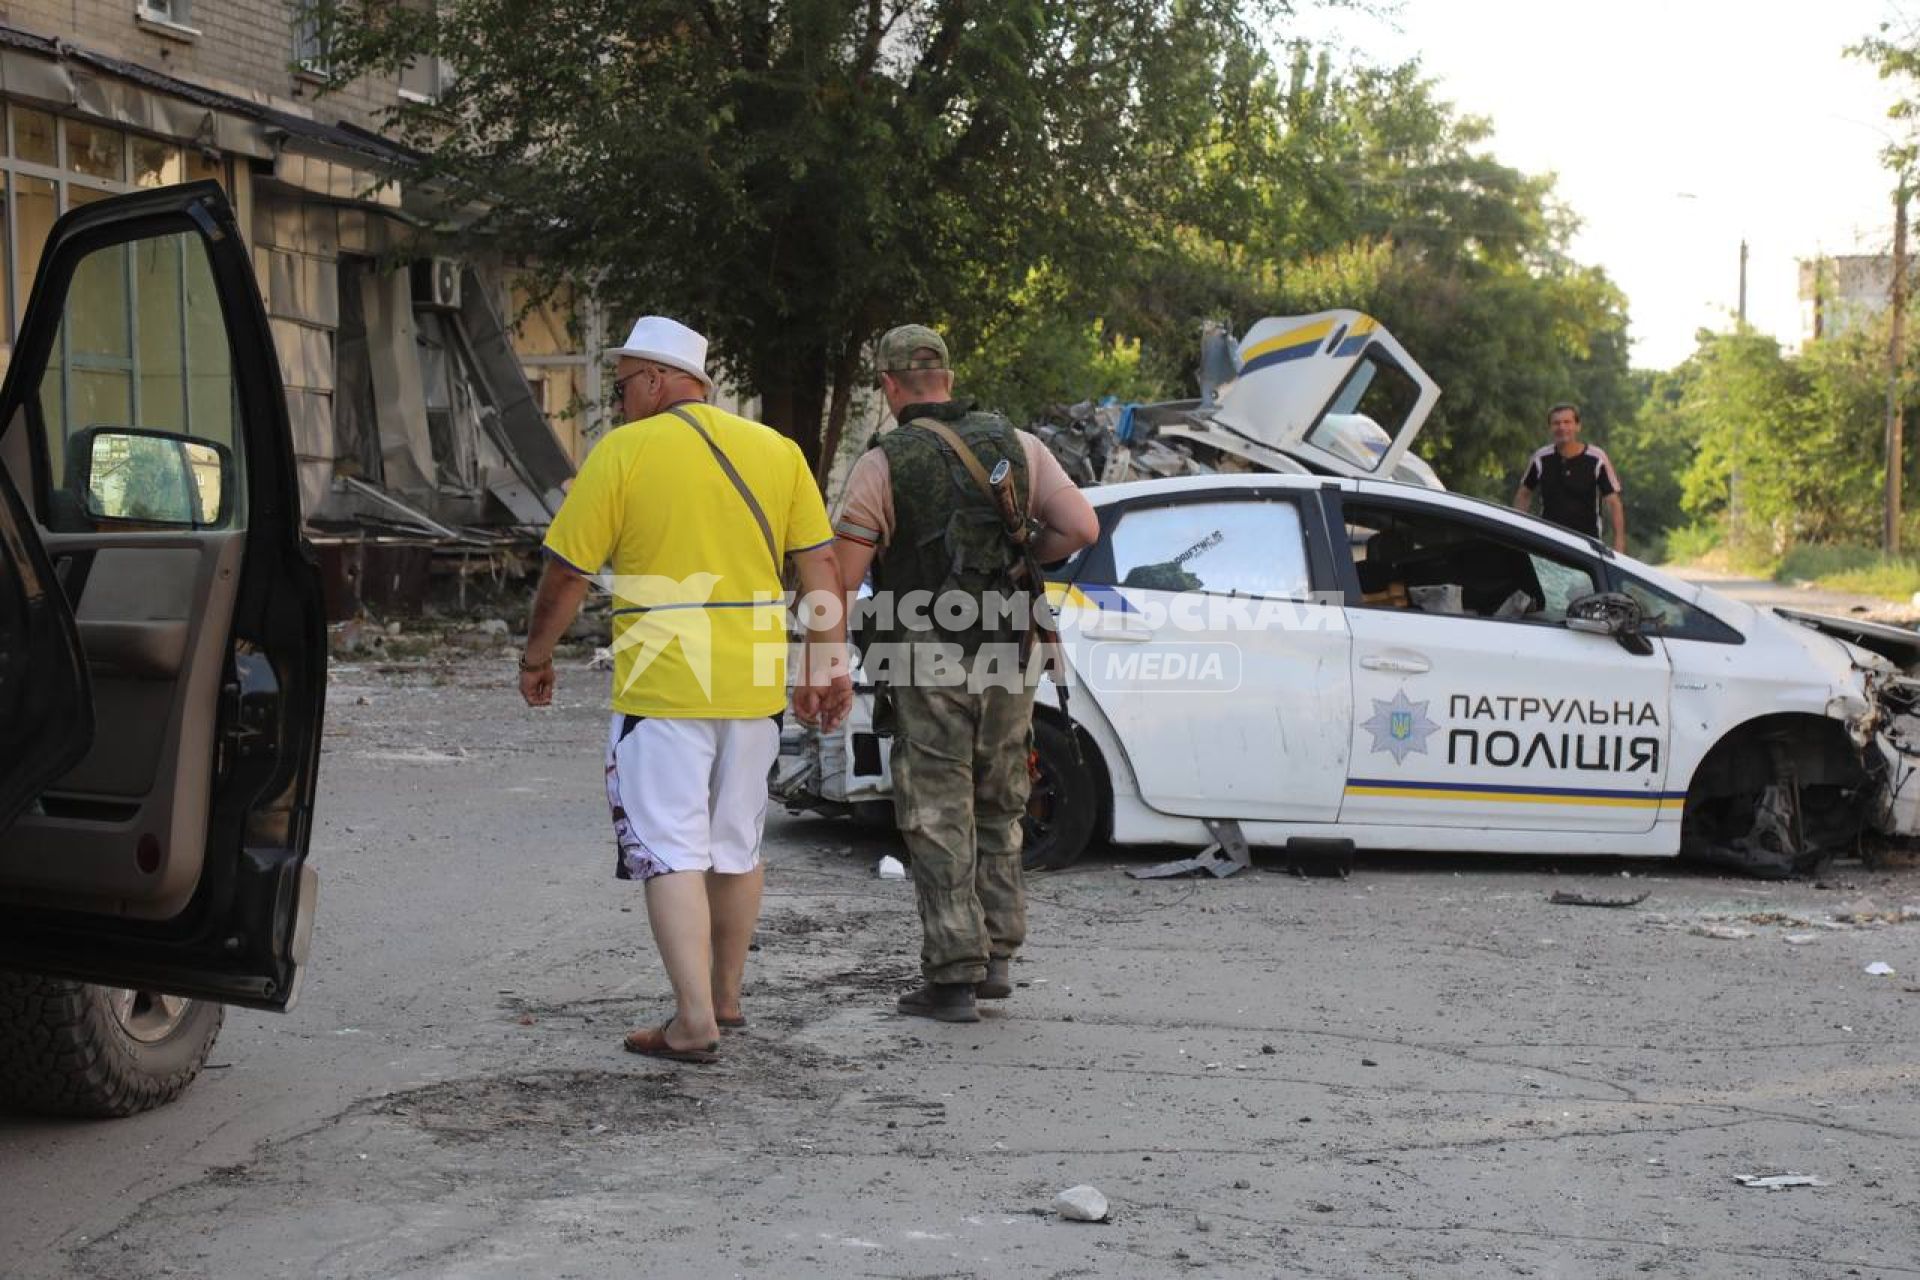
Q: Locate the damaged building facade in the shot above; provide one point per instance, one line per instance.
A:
(434, 413)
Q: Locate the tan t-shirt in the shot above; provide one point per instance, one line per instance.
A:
(866, 509)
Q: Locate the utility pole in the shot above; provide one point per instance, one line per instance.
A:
(1895, 449)
(1743, 284)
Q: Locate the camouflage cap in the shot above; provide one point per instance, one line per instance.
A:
(897, 348)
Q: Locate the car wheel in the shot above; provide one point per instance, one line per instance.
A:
(1061, 805)
(71, 1048)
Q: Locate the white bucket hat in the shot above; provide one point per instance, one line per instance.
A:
(667, 342)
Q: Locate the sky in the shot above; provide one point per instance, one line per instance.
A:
(1676, 129)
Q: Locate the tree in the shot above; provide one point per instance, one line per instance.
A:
(793, 176)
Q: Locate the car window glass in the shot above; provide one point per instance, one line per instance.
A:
(1251, 547)
(1368, 411)
(141, 356)
(1430, 563)
(1667, 615)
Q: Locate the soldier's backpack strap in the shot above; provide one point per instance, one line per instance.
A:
(746, 494)
(968, 459)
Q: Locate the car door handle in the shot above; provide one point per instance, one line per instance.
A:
(1411, 664)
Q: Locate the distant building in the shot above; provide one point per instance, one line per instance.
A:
(1842, 292)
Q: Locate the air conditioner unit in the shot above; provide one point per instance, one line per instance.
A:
(436, 283)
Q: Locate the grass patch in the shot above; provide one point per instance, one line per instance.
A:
(1861, 570)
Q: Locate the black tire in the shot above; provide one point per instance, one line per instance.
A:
(1063, 805)
(65, 1051)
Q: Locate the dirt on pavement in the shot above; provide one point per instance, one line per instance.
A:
(1426, 1070)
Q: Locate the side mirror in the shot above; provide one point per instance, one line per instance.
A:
(154, 478)
(1611, 613)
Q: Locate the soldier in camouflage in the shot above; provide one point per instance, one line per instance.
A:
(962, 707)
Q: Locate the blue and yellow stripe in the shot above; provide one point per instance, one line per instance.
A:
(1304, 341)
(1407, 789)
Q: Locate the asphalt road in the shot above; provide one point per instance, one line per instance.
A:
(1426, 1070)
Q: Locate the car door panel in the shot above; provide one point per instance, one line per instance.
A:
(1194, 627)
(46, 711)
(171, 856)
(1467, 720)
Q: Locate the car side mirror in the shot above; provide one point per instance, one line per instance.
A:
(1611, 613)
(153, 478)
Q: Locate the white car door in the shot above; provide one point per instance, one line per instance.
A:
(1194, 625)
(1474, 705)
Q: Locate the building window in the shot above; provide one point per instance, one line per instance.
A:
(423, 78)
(312, 43)
(175, 13)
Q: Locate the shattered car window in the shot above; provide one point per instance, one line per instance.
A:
(1245, 548)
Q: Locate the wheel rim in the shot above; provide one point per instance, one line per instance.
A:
(148, 1016)
(1038, 821)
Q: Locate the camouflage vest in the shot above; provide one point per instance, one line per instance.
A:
(947, 536)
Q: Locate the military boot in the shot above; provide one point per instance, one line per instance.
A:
(998, 984)
(941, 1001)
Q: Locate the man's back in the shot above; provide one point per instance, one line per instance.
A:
(697, 613)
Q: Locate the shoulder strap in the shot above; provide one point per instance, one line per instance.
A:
(740, 486)
(968, 459)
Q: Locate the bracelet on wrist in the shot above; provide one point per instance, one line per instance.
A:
(534, 666)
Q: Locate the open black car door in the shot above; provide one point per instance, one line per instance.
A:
(144, 423)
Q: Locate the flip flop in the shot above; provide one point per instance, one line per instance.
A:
(733, 1024)
(652, 1042)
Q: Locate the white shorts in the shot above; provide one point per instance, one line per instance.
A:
(688, 795)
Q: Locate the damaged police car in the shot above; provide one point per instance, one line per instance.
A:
(1257, 659)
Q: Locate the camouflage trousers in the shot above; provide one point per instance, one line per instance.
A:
(960, 787)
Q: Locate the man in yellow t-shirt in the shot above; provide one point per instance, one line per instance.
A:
(695, 512)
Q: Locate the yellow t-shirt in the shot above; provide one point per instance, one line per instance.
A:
(699, 628)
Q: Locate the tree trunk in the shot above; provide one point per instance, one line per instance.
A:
(844, 368)
(793, 397)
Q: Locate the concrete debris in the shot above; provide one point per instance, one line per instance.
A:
(1724, 932)
(1572, 898)
(1777, 1181)
(1081, 1204)
(1879, 969)
(891, 868)
(496, 627)
(1800, 939)
(602, 660)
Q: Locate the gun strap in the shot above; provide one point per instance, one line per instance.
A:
(746, 494)
(971, 461)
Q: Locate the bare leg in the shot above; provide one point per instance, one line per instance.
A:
(735, 904)
(677, 910)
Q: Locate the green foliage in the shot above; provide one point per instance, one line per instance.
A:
(1788, 450)
(794, 176)
(1069, 189)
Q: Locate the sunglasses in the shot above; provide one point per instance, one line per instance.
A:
(620, 384)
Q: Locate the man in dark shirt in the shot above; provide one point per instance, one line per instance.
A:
(1573, 480)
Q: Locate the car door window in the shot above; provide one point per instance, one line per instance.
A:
(137, 401)
(1433, 563)
(1368, 410)
(1669, 616)
(1246, 547)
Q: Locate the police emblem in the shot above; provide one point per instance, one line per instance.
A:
(1400, 726)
